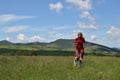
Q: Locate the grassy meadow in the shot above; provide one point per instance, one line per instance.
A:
(58, 68)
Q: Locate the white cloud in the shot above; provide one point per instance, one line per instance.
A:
(93, 38)
(36, 39)
(87, 26)
(114, 32)
(61, 28)
(114, 36)
(84, 5)
(21, 37)
(57, 7)
(7, 38)
(11, 17)
(86, 14)
(12, 29)
(76, 31)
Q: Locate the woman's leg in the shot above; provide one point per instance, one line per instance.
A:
(81, 54)
(77, 55)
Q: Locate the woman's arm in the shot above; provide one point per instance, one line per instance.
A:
(75, 42)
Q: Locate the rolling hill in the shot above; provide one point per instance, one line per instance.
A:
(5, 42)
(65, 45)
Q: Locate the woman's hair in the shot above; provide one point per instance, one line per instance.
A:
(79, 33)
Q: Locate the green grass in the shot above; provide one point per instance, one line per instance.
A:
(58, 68)
(27, 47)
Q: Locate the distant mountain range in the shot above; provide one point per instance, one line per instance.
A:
(6, 42)
(67, 44)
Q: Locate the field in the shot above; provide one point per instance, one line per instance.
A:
(58, 68)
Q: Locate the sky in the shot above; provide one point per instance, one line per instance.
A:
(23, 21)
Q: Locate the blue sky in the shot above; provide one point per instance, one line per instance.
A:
(48, 20)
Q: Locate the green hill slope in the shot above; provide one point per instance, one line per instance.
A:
(60, 45)
(67, 44)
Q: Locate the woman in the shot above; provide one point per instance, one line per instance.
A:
(79, 41)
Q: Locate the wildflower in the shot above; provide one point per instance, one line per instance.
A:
(100, 75)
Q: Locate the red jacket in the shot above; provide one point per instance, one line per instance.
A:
(79, 42)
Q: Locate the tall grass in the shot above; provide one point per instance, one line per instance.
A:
(58, 68)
